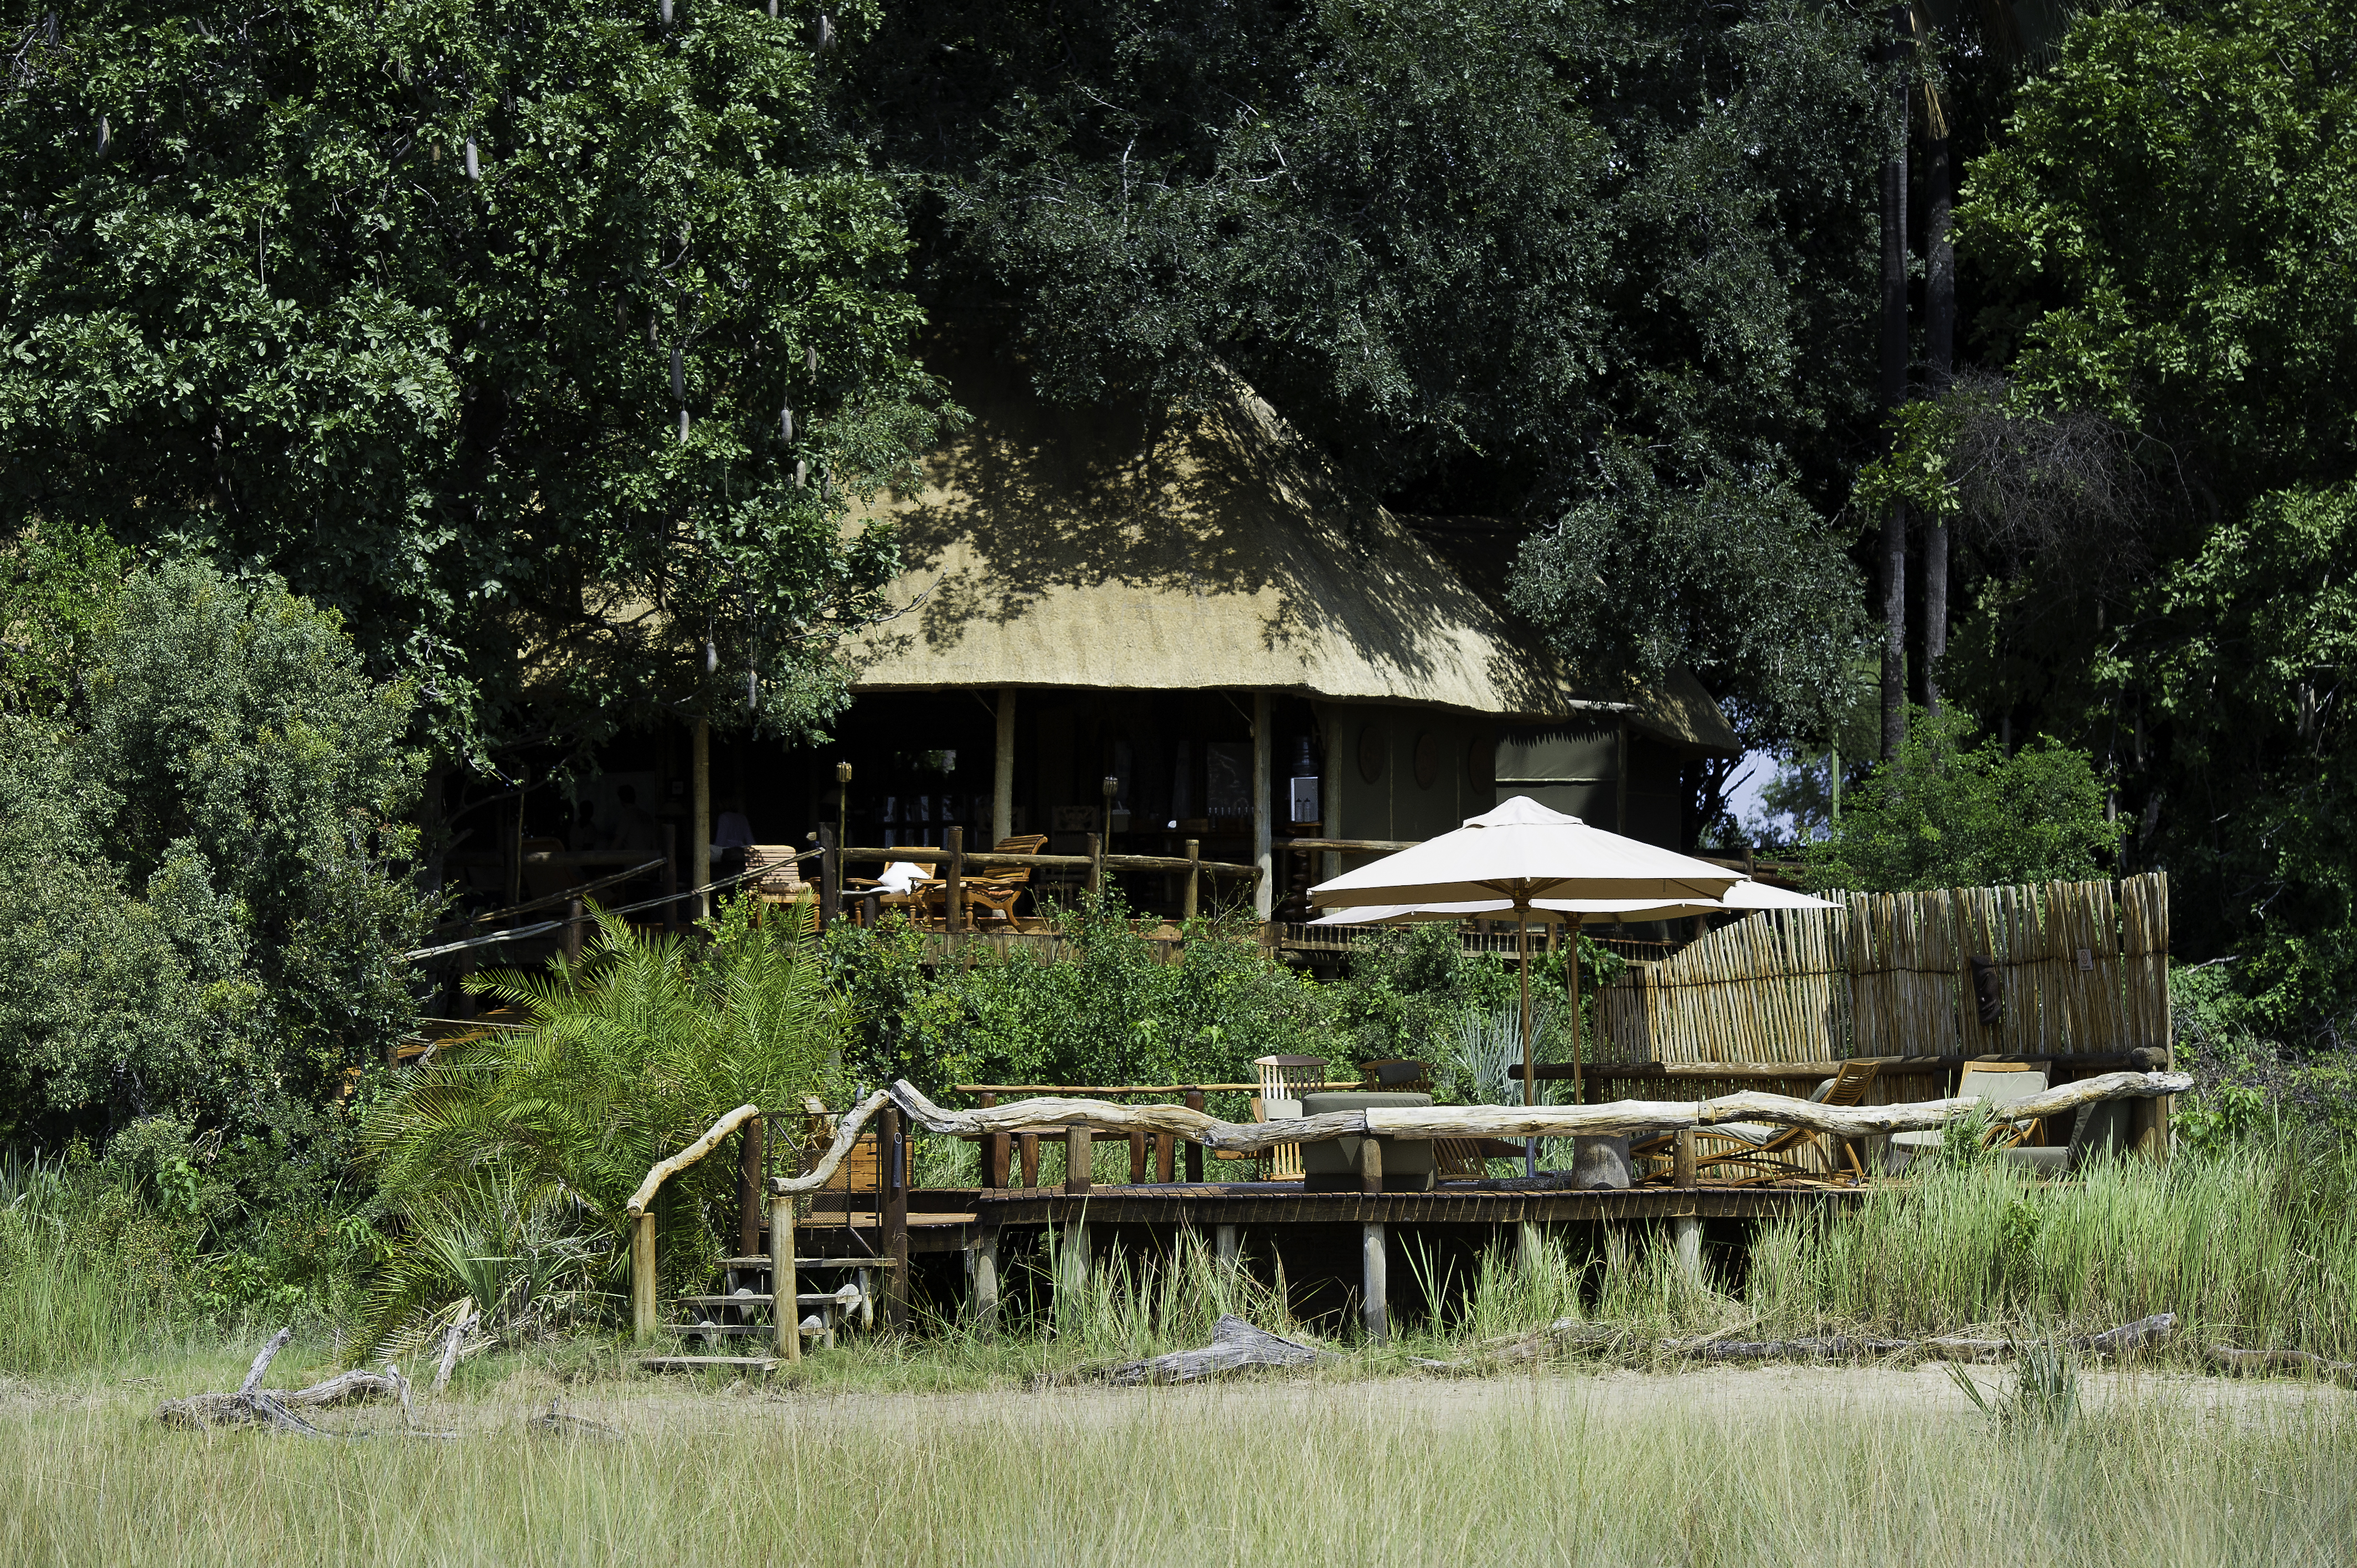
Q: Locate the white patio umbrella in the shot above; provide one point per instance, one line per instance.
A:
(1742, 899)
(1520, 852)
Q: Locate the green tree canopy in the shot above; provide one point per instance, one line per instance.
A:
(2164, 229)
(1945, 815)
(204, 908)
(1600, 269)
(541, 341)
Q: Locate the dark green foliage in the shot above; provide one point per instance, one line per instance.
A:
(58, 589)
(1597, 266)
(1946, 815)
(2167, 214)
(536, 1139)
(2163, 224)
(389, 301)
(1106, 1012)
(203, 911)
(2250, 639)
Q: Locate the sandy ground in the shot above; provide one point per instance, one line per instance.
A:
(1436, 1403)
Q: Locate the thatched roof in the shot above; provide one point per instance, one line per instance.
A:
(1105, 548)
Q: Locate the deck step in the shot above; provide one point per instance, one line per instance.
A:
(708, 1363)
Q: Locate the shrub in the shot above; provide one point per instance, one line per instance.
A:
(1945, 815)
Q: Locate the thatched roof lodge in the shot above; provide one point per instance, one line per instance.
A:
(1184, 600)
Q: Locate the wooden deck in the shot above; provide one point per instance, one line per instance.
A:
(950, 1219)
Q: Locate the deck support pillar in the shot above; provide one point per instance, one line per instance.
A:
(785, 1290)
(1686, 1229)
(642, 1278)
(1374, 1265)
(1073, 1257)
(892, 1143)
(984, 1297)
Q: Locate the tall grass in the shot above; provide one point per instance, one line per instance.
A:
(1260, 1473)
(2254, 1244)
(82, 1281)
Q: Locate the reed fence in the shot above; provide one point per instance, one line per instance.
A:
(2081, 969)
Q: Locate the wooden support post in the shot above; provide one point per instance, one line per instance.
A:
(984, 1298)
(830, 877)
(1137, 1156)
(785, 1289)
(1194, 1150)
(1193, 903)
(1374, 1284)
(994, 1149)
(749, 1187)
(515, 851)
(892, 1144)
(1096, 862)
(1687, 1231)
(1030, 1141)
(642, 1278)
(699, 849)
(1684, 1159)
(671, 875)
(1165, 1147)
(953, 884)
(1072, 1260)
(1264, 759)
(1002, 777)
(1371, 1166)
(1225, 1245)
(573, 921)
(1076, 1159)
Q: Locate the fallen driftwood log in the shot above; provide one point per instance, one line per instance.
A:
(1619, 1117)
(2128, 1338)
(452, 1339)
(1569, 1334)
(555, 1422)
(1235, 1345)
(253, 1405)
(2245, 1363)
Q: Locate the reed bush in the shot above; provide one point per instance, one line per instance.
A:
(2254, 1243)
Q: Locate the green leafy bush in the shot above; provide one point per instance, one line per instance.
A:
(200, 904)
(627, 1056)
(1946, 815)
(1106, 1010)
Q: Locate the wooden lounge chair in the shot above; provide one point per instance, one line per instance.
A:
(1999, 1083)
(1764, 1151)
(995, 891)
(778, 880)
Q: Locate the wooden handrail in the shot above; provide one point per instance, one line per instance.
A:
(1619, 1117)
(1349, 847)
(663, 1170)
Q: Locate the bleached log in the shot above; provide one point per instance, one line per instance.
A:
(261, 1362)
(2129, 1336)
(452, 1338)
(2246, 1361)
(1626, 1117)
(1235, 1345)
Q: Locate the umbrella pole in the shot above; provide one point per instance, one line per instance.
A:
(1573, 967)
(1529, 1088)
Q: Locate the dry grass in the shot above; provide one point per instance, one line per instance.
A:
(1736, 1467)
